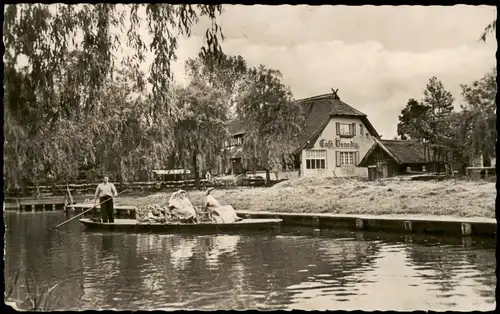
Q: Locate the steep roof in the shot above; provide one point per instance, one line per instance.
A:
(318, 112)
(236, 127)
(403, 152)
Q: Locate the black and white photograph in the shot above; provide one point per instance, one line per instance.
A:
(249, 157)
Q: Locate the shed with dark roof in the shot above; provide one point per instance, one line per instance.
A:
(387, 158)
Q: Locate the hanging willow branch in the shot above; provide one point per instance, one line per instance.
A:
(58, 62)
(490, 29)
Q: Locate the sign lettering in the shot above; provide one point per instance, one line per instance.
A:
(337, 144)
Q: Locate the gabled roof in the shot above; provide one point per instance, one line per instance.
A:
(318, 112)
(403, 152)
(236, 128)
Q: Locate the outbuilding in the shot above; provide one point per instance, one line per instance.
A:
(388, 158)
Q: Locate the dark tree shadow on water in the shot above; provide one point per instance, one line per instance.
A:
(107, 243)
(443, 265)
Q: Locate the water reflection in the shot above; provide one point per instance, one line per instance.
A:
(182, 249)
(341, 270)
(219, 246)
(46, 257)
(107, 244)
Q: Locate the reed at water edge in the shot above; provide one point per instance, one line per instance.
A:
(39, 297)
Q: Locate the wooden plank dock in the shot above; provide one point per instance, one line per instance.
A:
(33, 204)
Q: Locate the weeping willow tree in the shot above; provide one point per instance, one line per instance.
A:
(202, 127)
(272, 120)
(479, 115)
(57, 64)
(228, 76)
(489, 30)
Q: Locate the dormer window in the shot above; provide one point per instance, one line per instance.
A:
(346, 129)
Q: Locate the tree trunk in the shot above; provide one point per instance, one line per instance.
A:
(440, 159)
(37, 190)
(195, 169)
(268, 176)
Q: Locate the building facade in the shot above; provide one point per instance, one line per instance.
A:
(337, 150)
(334, 138)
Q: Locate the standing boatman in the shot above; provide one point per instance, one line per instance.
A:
(105, 192)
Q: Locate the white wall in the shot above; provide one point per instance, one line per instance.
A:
(364, 141)
(478, 161)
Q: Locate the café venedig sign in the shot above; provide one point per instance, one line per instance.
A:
(338, 144)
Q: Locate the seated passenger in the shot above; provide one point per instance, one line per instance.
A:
(217, 212)
(181, 207)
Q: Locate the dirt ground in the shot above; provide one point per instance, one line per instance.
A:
(348, 196)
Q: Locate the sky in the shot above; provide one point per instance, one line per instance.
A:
(378, 57)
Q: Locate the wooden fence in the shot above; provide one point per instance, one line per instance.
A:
(134, 187)
(486, 173)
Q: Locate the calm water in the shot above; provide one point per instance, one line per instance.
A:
(294, 270)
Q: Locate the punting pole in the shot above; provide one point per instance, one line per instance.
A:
(74, 217)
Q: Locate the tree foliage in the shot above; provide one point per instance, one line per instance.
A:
(227, 73)
(411, 125)
(440, 104)
(479, 112)
(488, 30)
(469, 132)
(426, 120)
(130, 139)
(271, 119)
(201, 128)
(64, 108)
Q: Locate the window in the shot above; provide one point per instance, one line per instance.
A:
(235, 141)
(361, 129)
(346, 129)
(315, 159)
(347, 159)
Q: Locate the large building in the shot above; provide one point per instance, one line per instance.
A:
(335, 137)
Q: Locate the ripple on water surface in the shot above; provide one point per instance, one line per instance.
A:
(343, 270)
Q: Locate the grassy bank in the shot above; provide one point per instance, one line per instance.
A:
(347, 196)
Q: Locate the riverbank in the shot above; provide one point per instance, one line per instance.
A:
(340, 196)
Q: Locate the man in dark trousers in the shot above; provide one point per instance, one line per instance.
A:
(105, 192)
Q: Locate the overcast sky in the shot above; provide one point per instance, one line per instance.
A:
(378, 57)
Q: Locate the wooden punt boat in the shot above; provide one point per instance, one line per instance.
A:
(133, 226)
